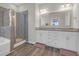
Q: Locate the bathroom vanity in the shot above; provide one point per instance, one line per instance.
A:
(58, 26)
(65, 38)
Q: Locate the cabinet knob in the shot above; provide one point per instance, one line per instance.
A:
(54, 43)
(67, 38)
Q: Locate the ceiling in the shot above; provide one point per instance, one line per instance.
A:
(21, 6)
(17, 4)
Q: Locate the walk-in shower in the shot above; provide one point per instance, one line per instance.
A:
(5, 30)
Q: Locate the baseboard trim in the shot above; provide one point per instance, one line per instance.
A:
(18, 44)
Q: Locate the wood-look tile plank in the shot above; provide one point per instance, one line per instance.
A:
(45, 52)
(50, 52)
(35, 52)
(30, 53)
(30, 50)
(40, 52)
(26, 50)
(18, 50)
(21, 49)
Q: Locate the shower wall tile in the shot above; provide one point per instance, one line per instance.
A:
(5, 32)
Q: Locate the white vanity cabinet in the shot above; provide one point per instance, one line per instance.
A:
(59, 39)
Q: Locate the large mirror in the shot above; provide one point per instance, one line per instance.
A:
(56, 16)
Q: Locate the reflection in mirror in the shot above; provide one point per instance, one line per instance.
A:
(61, 12)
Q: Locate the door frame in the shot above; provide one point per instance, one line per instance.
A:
(13, 27)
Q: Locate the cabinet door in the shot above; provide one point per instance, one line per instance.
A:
(62, 40)
(44, 37)
(71, 41)
(53, 39)
(38, 38)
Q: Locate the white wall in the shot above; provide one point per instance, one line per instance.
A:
(37, 21)
(31, 22)
(76, 20)
(76, 15)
